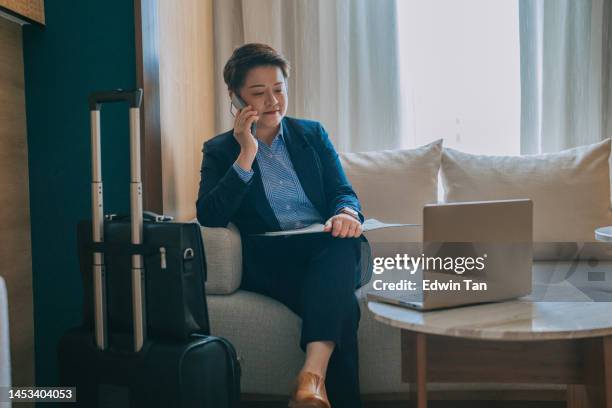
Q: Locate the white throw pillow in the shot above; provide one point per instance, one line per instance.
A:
(570, 189)
(393, 186)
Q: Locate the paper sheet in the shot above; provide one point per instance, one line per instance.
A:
(368, 225)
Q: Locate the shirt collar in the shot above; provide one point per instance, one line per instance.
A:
(278, 140)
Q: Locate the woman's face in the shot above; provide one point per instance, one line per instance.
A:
(264, 89)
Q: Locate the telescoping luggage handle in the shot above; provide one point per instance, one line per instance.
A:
(96, 99)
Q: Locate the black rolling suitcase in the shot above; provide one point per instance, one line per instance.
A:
(126, 369)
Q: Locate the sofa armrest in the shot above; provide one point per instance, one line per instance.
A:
(223, 251)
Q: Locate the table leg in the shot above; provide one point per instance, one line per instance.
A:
(421, 370)
(598, 372)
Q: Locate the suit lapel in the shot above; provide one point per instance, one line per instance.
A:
(257, 194)
(262, 205)
(306, 165)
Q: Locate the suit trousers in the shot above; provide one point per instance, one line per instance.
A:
(315, 275)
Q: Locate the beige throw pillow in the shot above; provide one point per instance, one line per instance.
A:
(570, 189)
(393, 186)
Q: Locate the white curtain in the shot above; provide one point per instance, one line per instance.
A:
(344, 62)
(566, 92)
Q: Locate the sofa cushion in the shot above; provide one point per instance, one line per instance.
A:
(223, 251)
(266, 335)
(570, 189)
(393, 186)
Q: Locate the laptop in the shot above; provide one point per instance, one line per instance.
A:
(473, 252)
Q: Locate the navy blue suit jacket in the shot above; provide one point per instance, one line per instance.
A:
(223, 197)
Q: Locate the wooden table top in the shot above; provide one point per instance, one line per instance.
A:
(516, 320)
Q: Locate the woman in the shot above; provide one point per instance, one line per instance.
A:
(288, 176)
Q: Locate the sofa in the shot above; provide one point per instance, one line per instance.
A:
(571, 195)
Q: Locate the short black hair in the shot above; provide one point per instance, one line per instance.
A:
(249, 56)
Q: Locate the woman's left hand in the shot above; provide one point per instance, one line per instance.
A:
(343, 226)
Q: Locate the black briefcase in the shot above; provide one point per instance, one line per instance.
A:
(182, 366)
(173, 255)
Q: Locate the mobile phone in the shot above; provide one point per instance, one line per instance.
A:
(240, 104)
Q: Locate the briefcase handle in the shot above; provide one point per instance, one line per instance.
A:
(134, 99)
(146, 215)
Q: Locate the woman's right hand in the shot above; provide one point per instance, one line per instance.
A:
(242, 130)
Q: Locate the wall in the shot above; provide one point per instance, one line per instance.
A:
(187, 100)
(85, 46)
(15, 251)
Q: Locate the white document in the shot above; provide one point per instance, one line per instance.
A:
(368, 225)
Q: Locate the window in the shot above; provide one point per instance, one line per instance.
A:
(460, 74)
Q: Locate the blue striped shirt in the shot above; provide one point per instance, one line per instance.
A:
(283, 190)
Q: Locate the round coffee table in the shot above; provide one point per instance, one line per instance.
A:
(509, 342)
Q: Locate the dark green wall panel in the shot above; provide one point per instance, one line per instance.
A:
(86, 45)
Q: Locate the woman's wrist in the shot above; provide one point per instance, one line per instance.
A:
(349, 211)
(246, 157)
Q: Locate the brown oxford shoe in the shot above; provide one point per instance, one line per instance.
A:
(309, 392)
